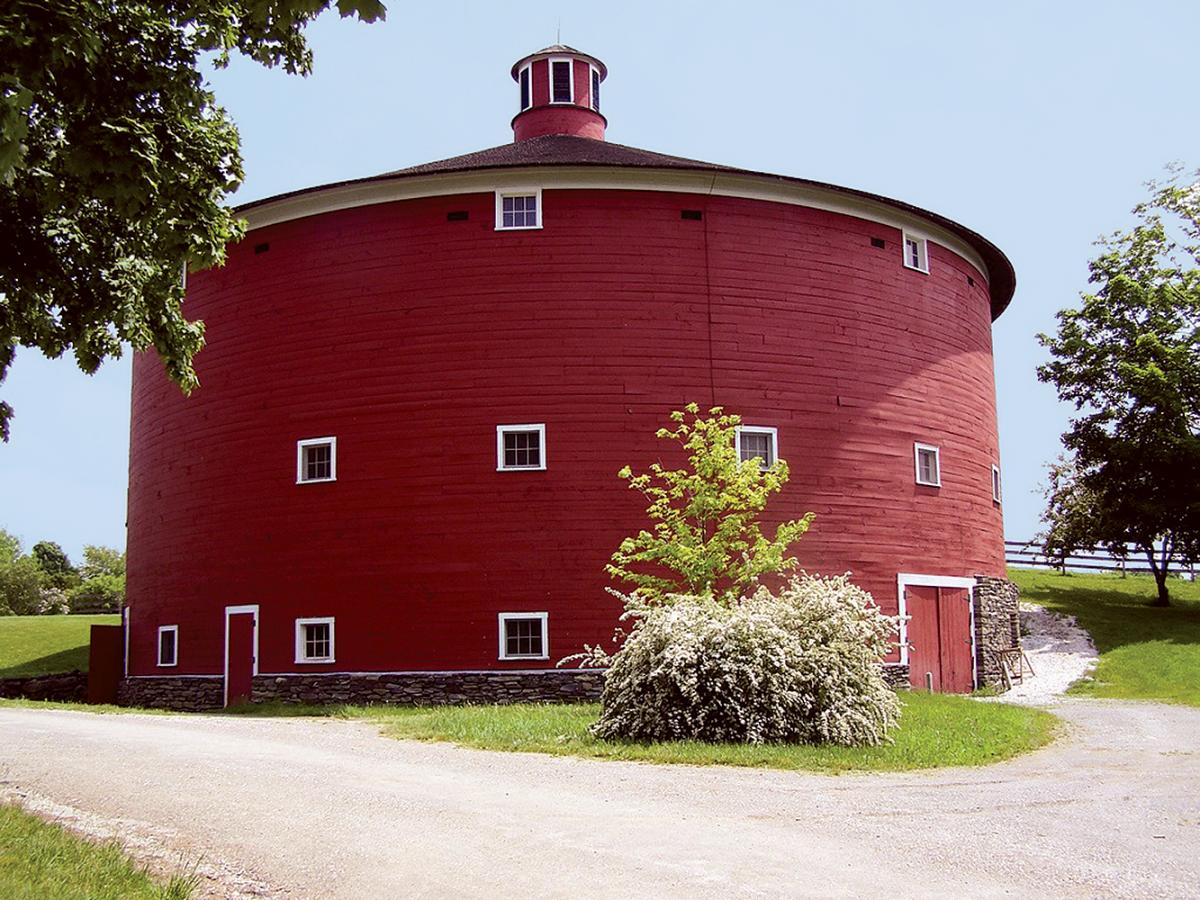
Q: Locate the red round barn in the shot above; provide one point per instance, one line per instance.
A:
(398, 477)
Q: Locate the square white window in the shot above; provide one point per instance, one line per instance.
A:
(929, 469)
(524, 636)
(758, 442)
(517, 210)
(168, 645)
(996, 483)
(916, 253)
(562, 81)
(314, 640)
(316, 460)
(520, 447)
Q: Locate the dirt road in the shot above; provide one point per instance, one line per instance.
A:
(318, 808)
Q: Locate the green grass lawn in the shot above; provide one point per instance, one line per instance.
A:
(935, 730)
(39, 860)
(37, 645)
(1146, 652)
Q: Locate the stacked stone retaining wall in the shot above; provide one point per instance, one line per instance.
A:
(997, 627)
(194, 694)
(61, 687)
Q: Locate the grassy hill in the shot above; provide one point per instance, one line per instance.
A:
(37, 645)
(1146, 652)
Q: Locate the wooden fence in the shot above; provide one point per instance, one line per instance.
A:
(1029, 555)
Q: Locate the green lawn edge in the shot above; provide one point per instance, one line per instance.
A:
(46, 645)
(40, 859)
(1146, 652)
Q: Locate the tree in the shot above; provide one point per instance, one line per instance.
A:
(21, 579)
(55, 565)
(103, 586)
(99, 561)
(1129, 360)
(706, 540)
(114, 162)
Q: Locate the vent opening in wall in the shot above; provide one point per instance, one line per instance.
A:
(970, 281)
(878, 242)
(261, 248)
(458, 215)
(694, 215)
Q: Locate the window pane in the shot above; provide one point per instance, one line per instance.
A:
(562, 82)
(757, 445)
(166, 650)
(595, 90)
(317, 639)
(524, 88)
(523, 637)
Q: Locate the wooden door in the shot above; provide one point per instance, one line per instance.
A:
(939, 638)
(239, 656)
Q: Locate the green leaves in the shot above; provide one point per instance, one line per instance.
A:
(705, 539)
(115, 161)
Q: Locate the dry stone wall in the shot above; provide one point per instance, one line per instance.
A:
(997, 626)
(62, 687)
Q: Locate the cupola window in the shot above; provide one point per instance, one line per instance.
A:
(561, 79)
(526, 90)
(595, 89)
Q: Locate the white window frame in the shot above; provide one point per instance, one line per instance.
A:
(544, 617)
(570, 79)
(164, 629)
(937, 464)
(594, 89)
(527, 72)
(301, 659)
(313, 442)
(758, 429)
(518, 192)
(997, 491)
(922, 251)
(540, 428)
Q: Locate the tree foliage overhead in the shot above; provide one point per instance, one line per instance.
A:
(1129, 360)
(705, 539)
(115, 160)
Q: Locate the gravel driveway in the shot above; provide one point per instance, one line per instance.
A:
(319, 808)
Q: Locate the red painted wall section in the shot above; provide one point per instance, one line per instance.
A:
(558, 119)
(411, 338)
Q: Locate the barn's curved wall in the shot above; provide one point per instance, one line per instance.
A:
(411, 338)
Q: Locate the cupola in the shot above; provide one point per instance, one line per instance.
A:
(559, 93)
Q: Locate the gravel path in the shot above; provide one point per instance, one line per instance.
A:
(1059, 652)
(323, 808)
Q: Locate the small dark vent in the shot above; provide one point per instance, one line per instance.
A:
(694, 214)
(458, 215)
(878, 242)
(261, 248)
(970, 281)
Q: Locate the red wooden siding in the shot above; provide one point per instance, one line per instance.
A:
(411, 338)
(939, 638)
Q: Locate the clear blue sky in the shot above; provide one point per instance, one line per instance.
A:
(1034, 123)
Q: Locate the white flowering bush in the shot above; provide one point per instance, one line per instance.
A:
(798, 666)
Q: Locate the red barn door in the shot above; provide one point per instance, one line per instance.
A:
(939, 638)
(241, 651)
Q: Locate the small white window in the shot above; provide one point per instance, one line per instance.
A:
(916, 253)
(524, 636)
(518, 209)
(996, 483)
(314, 640)
(562, 81)
(168, 645)
(316, 460)
(520, 447)
(595, 96)
(929, 470)
(755, 441)
(526, 89)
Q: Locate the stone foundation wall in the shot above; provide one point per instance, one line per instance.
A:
(64, 687)
(185, 694)
(433, 688)
(896, 675)
(997, 626)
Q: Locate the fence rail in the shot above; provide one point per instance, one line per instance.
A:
(1028, 554)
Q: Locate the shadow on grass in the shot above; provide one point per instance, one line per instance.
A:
(52, 664)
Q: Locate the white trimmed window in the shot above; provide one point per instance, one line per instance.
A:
(928, 463)
(562, 81)
(518, 209)
(314, 640)
(916, 253)
(525, 78)
(595, 95)
(524, 636)
(996, 483)
(316, 460)
(520, 447)
(168, 645)
(758, 442)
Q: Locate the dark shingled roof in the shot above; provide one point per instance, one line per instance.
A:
(568, 150)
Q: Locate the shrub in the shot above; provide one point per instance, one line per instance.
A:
(21, 584)
(99, 594)
(802, 666)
